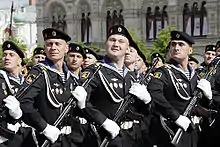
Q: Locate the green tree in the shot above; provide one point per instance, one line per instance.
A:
(159, 45)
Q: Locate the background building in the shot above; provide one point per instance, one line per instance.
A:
(88, 20)
(23, 24)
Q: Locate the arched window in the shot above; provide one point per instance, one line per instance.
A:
(195, 25)
(164, 17)
(86, 23)
(157, 21)
(186, 19)
(108, 21)
(203, 20)
(58, 17)
(149, 24)
(86, 28)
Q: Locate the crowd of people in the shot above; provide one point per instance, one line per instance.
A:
(119, 97)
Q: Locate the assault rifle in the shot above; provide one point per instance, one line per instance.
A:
(71, 104)
(129, 99)
(196, 98)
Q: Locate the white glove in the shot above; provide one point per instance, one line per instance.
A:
(112, 127)
(183, 122)
(80, 94)
(127, 125)
(140, 91)
(14, 106)
(205, 86)
(66, 130)
(51, 132)
(14, 127)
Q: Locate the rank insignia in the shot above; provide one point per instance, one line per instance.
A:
(85, 74)
(157, 75)
(30, 78)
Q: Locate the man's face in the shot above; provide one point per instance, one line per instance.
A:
(116, 46)
(218, 51)
(209, 56)
(55, 49)
(11, 60)
(131, 55)
(74, 60)
(38, 58)
(193, 64)
(139, 63)
(179, 50)
(89, 60)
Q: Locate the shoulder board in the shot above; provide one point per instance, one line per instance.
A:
(42, 66)
(167, 66)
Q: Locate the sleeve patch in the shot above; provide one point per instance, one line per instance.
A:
(30, 78)
(157, 75)
(85, 74)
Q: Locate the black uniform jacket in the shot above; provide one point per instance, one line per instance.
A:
(44, 102)
(172, 95)
(4, 88)
(106, 92)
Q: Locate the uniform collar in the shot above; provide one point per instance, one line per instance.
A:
(50, 66)
(109, 64)
(176, 66)
(19, 79)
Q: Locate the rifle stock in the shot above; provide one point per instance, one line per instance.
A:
(197, 96)
(71, 104)
(129, 99)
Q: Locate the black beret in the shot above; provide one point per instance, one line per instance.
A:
(217, 45)
(39, 50)
(134, 45)
(9, 45)
(90, 51)
(140, 53)
(77, 48)
(177, 35)
(51, 33)
(23, 63)
(210, 48)
(191, 58)
(155, 55)
(120, 30)
(100, 57)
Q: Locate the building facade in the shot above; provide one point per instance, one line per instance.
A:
(23, 25)
(88, 20)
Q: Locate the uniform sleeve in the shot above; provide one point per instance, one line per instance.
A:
(215, 88)
(31, 116)
(157, 88)
(92, 114)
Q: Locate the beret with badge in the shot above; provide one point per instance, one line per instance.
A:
(39, 50)
(177, 35)
(217, 45)
(210, 48)
(73, 47)
(90, 51)
(51, 33)
(155, 55)
(9, 45)
(135, 46)
(120, 30)
(191, 58)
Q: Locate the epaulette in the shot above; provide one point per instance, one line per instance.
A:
(41, 66)
(167, 66)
